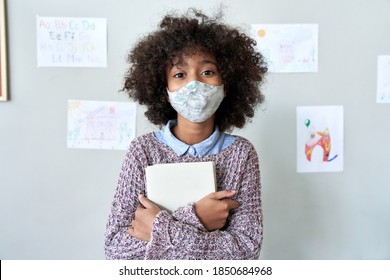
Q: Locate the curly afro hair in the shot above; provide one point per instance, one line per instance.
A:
(242, 67)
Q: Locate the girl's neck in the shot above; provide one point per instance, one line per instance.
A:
(192, 133)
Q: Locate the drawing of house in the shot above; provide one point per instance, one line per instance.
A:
(101, 124)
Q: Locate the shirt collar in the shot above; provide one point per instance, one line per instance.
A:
(181, 148)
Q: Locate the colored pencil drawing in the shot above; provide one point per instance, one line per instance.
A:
(288, 48)
(319, 150)
(100, 125)
(321, 139)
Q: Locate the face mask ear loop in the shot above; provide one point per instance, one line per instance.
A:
(225, 91)
(166, 95)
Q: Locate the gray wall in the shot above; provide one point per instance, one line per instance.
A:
(54, 201)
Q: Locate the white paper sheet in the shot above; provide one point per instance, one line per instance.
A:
(320, 139)
(383, 79)
(71, 42)
(288, 48)
(100, 124)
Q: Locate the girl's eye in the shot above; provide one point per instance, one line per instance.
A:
(208, 72)
(178, 75)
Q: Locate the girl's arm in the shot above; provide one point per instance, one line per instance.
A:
(118, 243)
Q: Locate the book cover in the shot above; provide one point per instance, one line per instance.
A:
(173, 185)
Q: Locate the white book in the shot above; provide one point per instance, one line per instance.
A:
(173, 185)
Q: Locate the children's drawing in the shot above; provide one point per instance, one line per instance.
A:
(288, 47)
(383, 79)
(319, 139)
(100, 125)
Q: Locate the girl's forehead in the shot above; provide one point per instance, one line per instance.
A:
(199, 55)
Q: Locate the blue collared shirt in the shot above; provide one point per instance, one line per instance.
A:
(212, 145)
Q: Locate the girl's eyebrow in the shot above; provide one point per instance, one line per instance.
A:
(203, 62)
(181, 64)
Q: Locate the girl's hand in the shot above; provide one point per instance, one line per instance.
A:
(213, 210)
(142, 225)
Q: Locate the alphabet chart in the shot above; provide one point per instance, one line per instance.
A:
(71, 42)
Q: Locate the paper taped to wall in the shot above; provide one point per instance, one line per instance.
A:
(71, 42)
(288, 48)
(101, 124)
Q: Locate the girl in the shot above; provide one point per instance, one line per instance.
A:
(200, 78)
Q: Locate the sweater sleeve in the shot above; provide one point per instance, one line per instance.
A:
(181, 237)
(118, 243)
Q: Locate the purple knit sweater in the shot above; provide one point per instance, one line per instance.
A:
(180, 235)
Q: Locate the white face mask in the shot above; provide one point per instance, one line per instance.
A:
(196, 101)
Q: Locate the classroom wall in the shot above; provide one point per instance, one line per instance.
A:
(54, 201)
